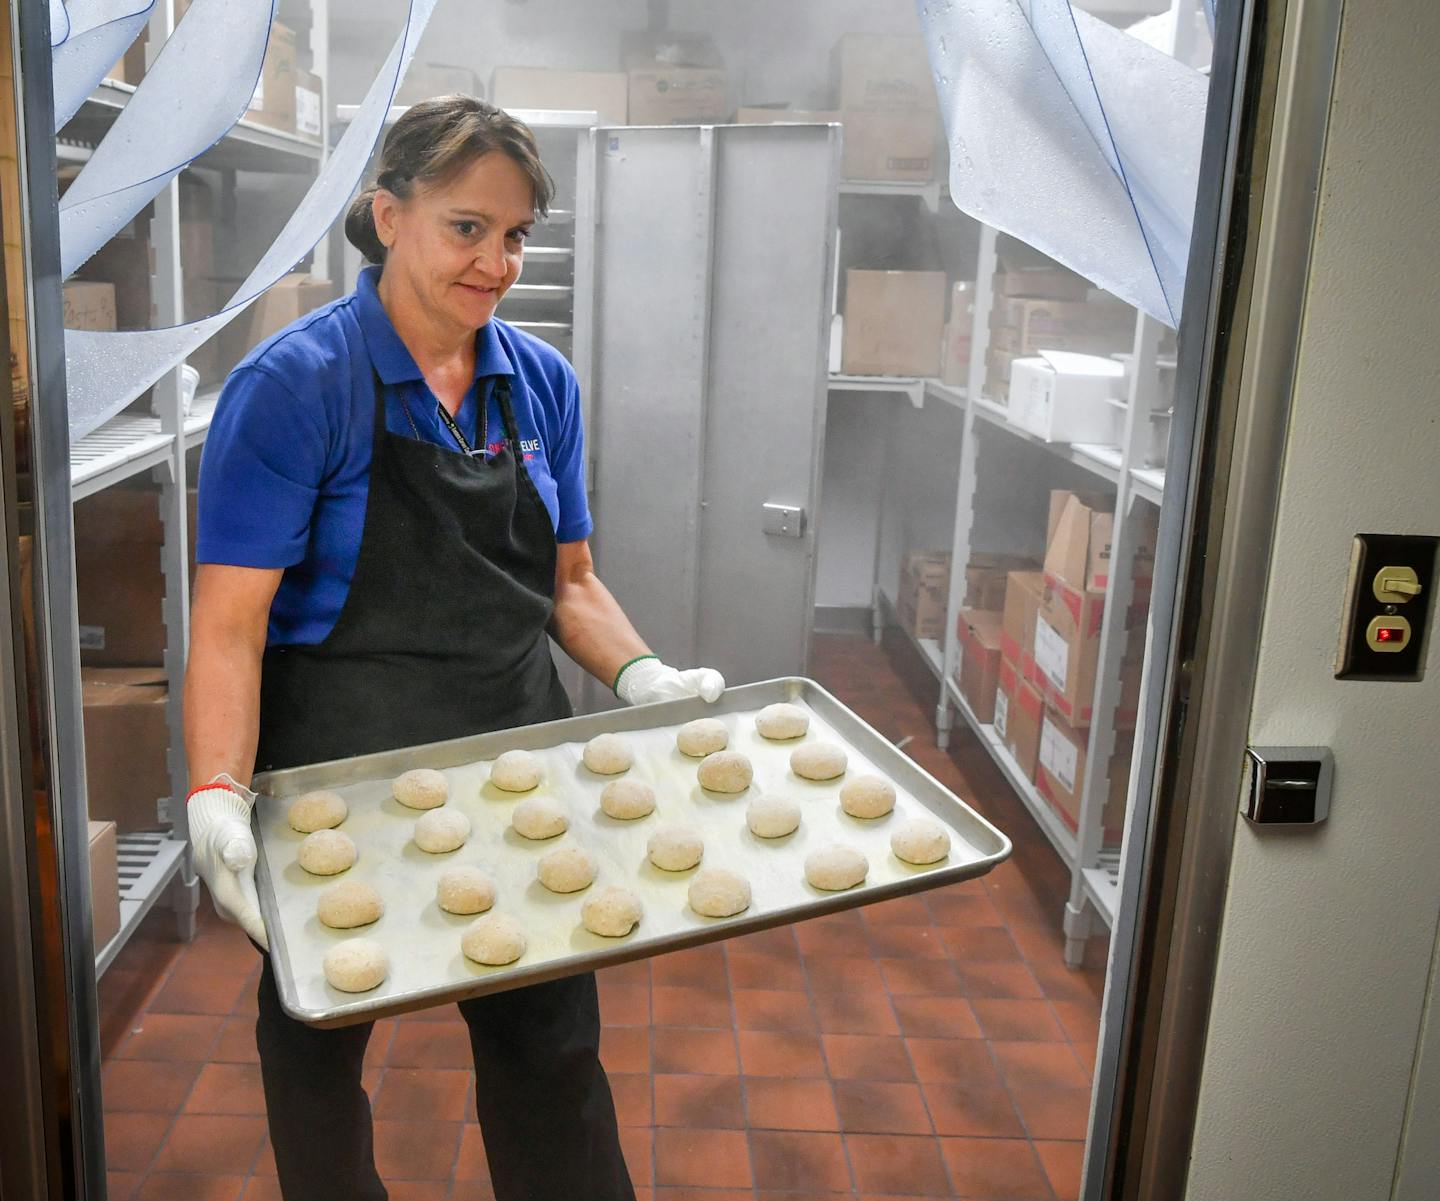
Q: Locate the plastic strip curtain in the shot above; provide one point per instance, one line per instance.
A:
(87, 38)
(107, 371)
(192, 95)
(1073, 136)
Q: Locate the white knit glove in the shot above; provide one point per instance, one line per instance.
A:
(645, 681)
(225, 854)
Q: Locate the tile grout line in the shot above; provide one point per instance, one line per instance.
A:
(825, 1060)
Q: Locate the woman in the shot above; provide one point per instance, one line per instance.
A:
(392, 517)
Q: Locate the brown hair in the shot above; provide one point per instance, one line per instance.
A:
(433, 142)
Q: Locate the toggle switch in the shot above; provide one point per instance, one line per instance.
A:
(1388, 573)
(1288, 785)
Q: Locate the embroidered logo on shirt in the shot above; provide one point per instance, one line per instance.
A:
(529, 447)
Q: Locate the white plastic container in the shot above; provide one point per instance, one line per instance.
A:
(1061, 396)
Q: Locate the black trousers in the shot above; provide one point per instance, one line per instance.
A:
(541, 1095)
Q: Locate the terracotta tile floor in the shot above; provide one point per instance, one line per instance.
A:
(930, 1046)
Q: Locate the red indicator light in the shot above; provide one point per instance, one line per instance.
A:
(1389, 634)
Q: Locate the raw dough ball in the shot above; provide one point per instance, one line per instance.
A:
(517, 771)
(726, 771)
(718, 893)
(612, 912)
(867, 796)
(465, 890)
(835, 868)
(567, 870)
(772, 817)
(608, 755)
(819, 761)
(317, 811)
(920, 841)
(349, 904)
(781, 722)
(442, 830)
(539, 818)
(627, 799)
(327, 853)
(356, 965)
(423, 788)
(702, 737)
(495, 939)
(675, 848)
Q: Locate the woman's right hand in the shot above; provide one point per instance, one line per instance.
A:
(225, 854)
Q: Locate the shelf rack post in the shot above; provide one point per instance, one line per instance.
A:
(965, 489)
(1144, 387)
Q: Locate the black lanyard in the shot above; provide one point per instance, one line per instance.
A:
(455, 431)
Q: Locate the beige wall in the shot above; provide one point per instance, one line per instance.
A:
(1325, 959)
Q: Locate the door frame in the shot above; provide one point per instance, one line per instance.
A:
(1249, 268)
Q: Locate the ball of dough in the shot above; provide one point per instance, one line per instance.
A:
(327, 853)
(867, 796)
(725, 771)
(356, 965)
(675, 848)
(517, 771)
(349, 904)
(716, 892)
(464, 890)
(442, 830)
(495, 939)
(423, 788)
(920, 841)
(608, 755)
(612, 911)
(835, 868)
(627, 799)
(818, 761)
(539, 818)
(782, 722)
(772, 817)
(567, 870)
(702, 737)
(317, 811)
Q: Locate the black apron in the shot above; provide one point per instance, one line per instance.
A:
(443, 631)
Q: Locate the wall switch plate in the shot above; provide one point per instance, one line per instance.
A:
(1388, 603)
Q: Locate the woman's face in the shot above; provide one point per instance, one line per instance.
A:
(457, 246)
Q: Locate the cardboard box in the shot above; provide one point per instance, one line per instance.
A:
(126, 737)
(89, 305)
(1061, 396)
(1024, 591)
(1067, 648)
(1060, 776)
(309, 104)
(273, 102)
(104, 884)
(1077, 544)
(959, 328)
(893, 322)
(119, 588)
(979, 631)
(605, 93)
(1026, 327)
(677, 96)
(426, 80)
(987, 576)
(131, 67)
(126, 264)
(883, 74)
(924, 596)
(1040, 283)
(287, 300)
(1025, 712)
(890, 146)
(781, 115)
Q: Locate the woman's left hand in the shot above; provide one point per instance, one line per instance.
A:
(645, 681)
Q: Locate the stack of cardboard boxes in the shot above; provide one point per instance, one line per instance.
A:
(922, 601)
(1049, 656)
(981, 629)
(886, 99)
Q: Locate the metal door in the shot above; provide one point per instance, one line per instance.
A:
(703, 266)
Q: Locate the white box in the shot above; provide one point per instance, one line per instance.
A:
(1061, 396)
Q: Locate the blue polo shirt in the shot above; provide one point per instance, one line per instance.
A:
(285, 474)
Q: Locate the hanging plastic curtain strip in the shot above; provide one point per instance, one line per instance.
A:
(1025, 161)
(192, 95)
(1210, 15)
(90, 39)
(107, 371)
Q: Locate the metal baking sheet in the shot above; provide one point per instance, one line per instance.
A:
(423, 942)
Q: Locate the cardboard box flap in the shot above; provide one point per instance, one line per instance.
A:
(123, 685)
(982, 627)
(1070, 362)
